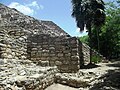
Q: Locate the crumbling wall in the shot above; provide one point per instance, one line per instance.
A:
(13, 42)
(62, 52)
(86, 53)
(25, 75)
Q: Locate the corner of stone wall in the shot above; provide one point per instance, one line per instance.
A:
(54, 51)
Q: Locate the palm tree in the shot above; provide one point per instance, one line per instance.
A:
(89, 14)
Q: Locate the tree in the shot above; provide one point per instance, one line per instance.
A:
(113, 38)
(109, 34)
(84, 39)
(89, 14)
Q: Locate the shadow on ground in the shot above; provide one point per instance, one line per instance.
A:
(109, 81)
(90, 66)
(116, 64)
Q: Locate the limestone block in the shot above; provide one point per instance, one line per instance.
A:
(73, 41)
(74, 67)
(75, 50)
(1, 62)
(52, 54)
(52, 48)
(45, 54)
(43, 58)
(9, 56)
(68, 54)
(23, 57)
(66, 51)
(58, 63)
(52, 63)
(74, 53)
(45, 46)
(61, 58)
(45, 43)
(75, 62)
(76, 58)
(8, 50)
(53, 58)
(60, 55)
(34, 49)
(63, 68)
(67, 62)
(44, 63)
(3, 55)
(3, 45)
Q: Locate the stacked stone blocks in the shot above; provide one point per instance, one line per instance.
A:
(54, 51)
(12, 43)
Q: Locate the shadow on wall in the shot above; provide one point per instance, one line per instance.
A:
(81, 55)
(0, 52)
(84, 53)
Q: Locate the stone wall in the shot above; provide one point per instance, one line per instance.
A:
(60, 51)
(13, 42)
(86, 53)
(25, 75)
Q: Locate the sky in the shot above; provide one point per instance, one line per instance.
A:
(58, 11)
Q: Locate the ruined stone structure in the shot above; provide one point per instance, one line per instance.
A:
(23, 37)
(55, 51)
(31, 48)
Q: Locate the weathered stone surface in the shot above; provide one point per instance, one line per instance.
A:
(25, 75)
(59, 52)
(44, 43)
(23, 37)
(16, 27)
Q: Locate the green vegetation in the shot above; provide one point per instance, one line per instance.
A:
(96, 58)
(106, 39)
(84, 39)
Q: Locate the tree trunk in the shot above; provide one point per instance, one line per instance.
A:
(98, 42)
(90, 43)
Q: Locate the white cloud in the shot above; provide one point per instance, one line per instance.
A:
(27, 9)
(22, 8)
(83, 33)
(35, 4)
(78, 30)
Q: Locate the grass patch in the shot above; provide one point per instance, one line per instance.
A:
(96, 58)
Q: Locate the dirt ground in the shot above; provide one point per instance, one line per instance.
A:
(60, 87)
(109, 78)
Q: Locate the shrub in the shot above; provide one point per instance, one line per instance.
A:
(96, 58)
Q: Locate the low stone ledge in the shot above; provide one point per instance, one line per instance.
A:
(72, 80)
(25, 75)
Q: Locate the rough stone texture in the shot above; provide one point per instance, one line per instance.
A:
(104, 77)
(25, 75)
(86, 53)
(15, 27)
(13, 42)
(43, 42)
(23, 37)
(60, 87)
(12, 17)
(62, 52)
